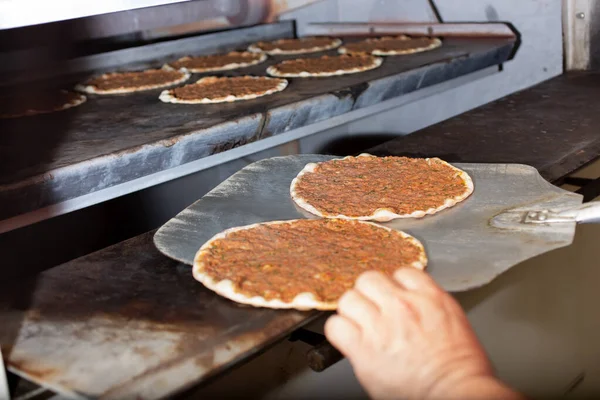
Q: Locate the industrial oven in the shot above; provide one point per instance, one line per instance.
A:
(90, 308)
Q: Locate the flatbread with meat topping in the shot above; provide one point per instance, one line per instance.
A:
(219, 62)
(386, 47)
(24, 105)
(129, 82)
(295, 46)
(366, 46)
(301, 264)
(324, 66)
(379, 188)
(213, 89)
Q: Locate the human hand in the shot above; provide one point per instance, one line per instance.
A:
(407, 338)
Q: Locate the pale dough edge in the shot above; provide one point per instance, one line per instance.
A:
(167, 97)
(80, 100)
(93, 90)
(334, 44)
(227, 67)
(303, 301)
(382, 214)
(274, 71)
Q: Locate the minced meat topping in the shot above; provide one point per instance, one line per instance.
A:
(358, 186)
(323, 257)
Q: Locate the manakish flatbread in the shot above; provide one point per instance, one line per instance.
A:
(301, 264)
(295, 46)
(128, 82)
(367, 46)
(213, 89)
(219, 62)
(379, 188)
(324, 66)
(38, 103)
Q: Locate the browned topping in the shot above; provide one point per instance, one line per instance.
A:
(37, 103)
(216, 88)
(358, 186)
(387, 44)
(125, 80)
(296, 44)
(325, 64)
(323, 257)
(216, 61)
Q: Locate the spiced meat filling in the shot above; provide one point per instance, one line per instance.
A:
(295, 44)
(37, 103)
(325, 64)
(223, 87)
(216, 61)
(386, 44)
(322, 257)
(120, 80)
(359, 186)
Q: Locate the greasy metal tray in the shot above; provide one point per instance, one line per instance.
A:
(464, 247)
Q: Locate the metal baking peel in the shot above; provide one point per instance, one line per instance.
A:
(513, 215)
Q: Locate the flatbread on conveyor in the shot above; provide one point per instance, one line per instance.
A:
(366, 46)
(390, 47)
(212, 89)
(301, 264)
(219, 62)
(324, 66)
(379, 188)
(295, 46)
(38, 103)
(128, 82)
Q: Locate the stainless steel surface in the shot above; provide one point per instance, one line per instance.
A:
(127, 322)
(192, 167)
(586, 213)
(112, 140)
(464, 248)
(473, 29)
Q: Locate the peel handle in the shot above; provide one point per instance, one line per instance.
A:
(586, 213)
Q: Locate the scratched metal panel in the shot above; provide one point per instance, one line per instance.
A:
(111, 140)
(127, 322)
(464, 249)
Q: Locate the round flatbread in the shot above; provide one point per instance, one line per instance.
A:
(214, 89)
(38, 103)
(379, 188)
(219, 62)
(367, 46)
(301, 264)
(324, 66)
(295, 46)
(128, 82)
(407, 47)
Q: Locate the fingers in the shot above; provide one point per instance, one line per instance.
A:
(414, 279)
(377, 287)
(359, 310)
(343, 334)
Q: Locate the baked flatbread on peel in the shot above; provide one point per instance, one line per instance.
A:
(129, 82)
(324, 66)
(38, 103)
(218, 62)
(295, 46)
(379, 188)
(302, 264)
(213, 89)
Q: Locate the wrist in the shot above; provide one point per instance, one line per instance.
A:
(478, 387)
